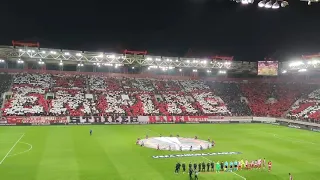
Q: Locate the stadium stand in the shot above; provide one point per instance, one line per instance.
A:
(306, 108)
(233, 97)
(5, 83)
(79, 95)
(76, 95)
(28, 95)
(268, 99)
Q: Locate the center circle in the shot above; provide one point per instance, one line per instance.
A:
(18, 144)
(176, 143)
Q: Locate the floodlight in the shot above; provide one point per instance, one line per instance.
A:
(284, 71)
(268, 5)
(262, 3)
(180, 70)
(67, 53)
(112, 56)
(78, 54)
(296, 63)
(244, 2)
(284, 3)
(276, 5)
(302, 70)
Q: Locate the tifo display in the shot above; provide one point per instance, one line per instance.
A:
(83, 96)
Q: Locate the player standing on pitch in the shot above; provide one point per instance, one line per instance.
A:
(226, 166)
(230, 166)
(194, 166)
(290, 176)
(212, 166)
(184, 167)
(190, 173)
(177, 168)
(203, 167)
(218, 167)
(269, 165)
(221, 165)
(196, 173)
(90, 132)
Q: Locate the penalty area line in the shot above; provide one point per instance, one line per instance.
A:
(11, 149)
(239, 175)
(231, 172)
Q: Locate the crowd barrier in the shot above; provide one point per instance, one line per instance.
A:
(121, 119)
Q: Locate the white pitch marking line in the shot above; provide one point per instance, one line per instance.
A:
(30, 147)
(239, 175)
(231, 172)
(11, 149)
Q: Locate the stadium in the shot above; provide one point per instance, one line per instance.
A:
(93, 115)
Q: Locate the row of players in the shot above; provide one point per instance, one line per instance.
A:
(224, 166)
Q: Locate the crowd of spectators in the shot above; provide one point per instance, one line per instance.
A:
(5, 83)
(79, 95)
(74, 95)
(233, 97)
(306, 108)
(268, 99)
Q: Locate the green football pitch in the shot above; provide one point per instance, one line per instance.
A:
(70, 153)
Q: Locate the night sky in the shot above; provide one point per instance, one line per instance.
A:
(165, 27)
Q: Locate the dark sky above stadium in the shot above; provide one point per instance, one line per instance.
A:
(165, 27)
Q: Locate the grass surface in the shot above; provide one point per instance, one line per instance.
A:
(69, 153)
